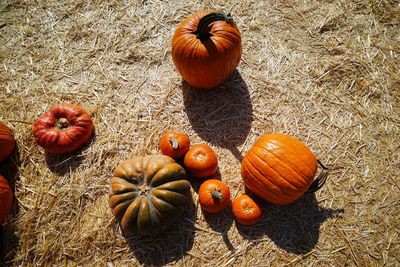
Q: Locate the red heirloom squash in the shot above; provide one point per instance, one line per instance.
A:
(7, 141)
(62, 129)
(206, 48)
(6, 199)
(280, 169)
(148, 194)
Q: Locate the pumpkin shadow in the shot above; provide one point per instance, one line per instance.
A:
(166, 247)
(9, 169)
(64, 163)
(294, 228)
(221, 223)
(221, 116)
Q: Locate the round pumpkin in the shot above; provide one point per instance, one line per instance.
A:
(6, 199)
(280, 169)
(214, 196)
(245, 210)
(7, 141)
(63, 129)
(206, 48)
(174, 144)
(201, 161)
(148, 194)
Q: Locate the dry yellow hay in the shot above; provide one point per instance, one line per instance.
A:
(326, 72)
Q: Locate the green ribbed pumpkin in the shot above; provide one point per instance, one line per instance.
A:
(148, 194)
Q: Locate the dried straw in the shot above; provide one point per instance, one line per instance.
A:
(326, 72)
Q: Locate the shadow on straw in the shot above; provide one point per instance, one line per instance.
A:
(221, 116)
(294, 228)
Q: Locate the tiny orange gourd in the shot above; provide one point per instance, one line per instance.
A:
(245, 210)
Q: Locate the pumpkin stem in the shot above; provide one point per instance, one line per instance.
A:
(321, 179)
(62, 123)
(216, 194)
(204, 26)
(174, 142)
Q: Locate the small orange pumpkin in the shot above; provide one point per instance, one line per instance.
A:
(201, 161)
(280, 169)
(245, 210)
(206, 48)
(174, 144)
(214, 196)
(6, 199)
(7, 141)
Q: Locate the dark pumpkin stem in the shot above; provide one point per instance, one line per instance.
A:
(174, 142)
(62, 123)
(216, 194)
(321, 179)
(203, 28)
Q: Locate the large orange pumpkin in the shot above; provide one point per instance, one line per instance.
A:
(206, 48)
(7, 141)
(280, 169)
(6, 199)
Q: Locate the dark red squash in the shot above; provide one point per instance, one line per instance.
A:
(7, 141)
(206, 48)
(280, 169)
(6, 199)
(62, 129)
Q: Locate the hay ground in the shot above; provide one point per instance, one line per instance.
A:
(326, 72)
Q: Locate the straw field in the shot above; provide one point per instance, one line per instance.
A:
(326, 72)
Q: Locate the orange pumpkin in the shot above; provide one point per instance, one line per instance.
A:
(245, 210)
(174, 144)
(7, 141)
(6, 199)
(201, 161)
(214, 196)
(206, 48)
(280, 169)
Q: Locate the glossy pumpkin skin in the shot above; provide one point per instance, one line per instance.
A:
(63, 129)
(148, 194)
(245, 210)
(214, 196)
(6, 199)
(201, 161)
(174, 144)
(279, 168)
(7, 141)
(206, 63)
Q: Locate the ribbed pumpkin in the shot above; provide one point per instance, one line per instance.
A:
(63, 128)
(7, 141)
(206, 48)
(6, 199)
(280, 169)
(148, 194)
